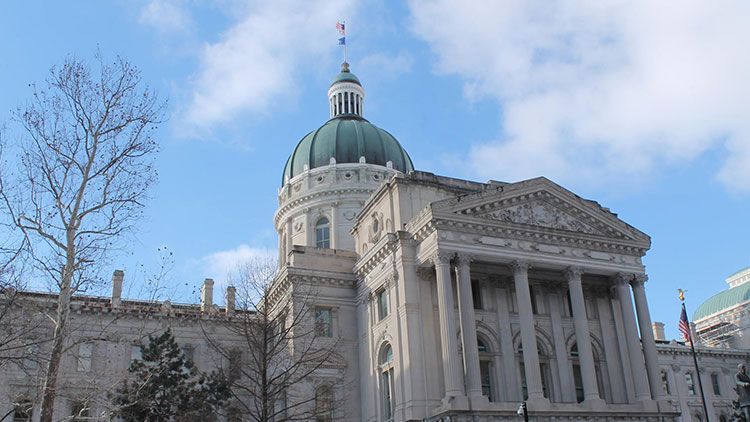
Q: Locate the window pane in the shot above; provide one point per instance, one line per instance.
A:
(715, 383)
(85, 351)
(322, 234)
(476, 294)
(382, 304)
(485, 374)
(323, 322)
(665, 382)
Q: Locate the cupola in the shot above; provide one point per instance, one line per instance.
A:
(346, 95)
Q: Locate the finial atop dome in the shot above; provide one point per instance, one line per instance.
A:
(346, 95)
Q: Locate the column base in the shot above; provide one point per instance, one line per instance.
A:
(594, 403)
(479, 402)
(454, 403)
(537, 402)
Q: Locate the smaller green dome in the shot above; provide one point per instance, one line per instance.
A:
(724, 300)
(345, 76)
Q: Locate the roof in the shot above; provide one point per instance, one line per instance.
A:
(724, 300)
(738, 272)
(345, 75)
(346, 138)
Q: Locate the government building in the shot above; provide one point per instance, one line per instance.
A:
(450, 299)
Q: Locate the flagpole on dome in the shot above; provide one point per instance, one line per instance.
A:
(341, 27)
(684, 327)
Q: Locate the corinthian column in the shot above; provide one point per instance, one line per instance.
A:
(637, 366)
(468, 327)
(647, 337)
(451, 366)
(583, 338)
(528, 332)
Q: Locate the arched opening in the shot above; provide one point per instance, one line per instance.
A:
(577, 375)
(486, 368)
(323, 233)
(386, 381)
(544, 370)
(324, 404)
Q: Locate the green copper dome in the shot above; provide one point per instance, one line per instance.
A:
(724, 300)
(346, 76)
(346, 138)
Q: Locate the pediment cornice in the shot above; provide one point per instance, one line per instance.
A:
(540, 206)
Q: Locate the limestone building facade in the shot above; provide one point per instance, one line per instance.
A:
(455, 300)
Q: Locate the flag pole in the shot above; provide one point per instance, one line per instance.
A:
(695, 360)
(346, 54)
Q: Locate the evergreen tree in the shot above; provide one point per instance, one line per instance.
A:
(166, 386)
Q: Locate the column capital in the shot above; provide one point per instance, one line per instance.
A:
(573, 274)
(623, 278)
(442, 258)
(464, 259)
(638, 280)
(519, 266)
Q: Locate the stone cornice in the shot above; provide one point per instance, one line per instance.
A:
(379, 251)
(288, 206)
(535, 234)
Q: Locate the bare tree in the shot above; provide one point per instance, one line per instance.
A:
(281, 345)
(85, 163)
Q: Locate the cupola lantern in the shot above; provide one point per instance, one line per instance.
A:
(346, 95)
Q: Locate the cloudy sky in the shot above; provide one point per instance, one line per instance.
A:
(641, 106)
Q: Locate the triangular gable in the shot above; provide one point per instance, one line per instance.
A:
(541, 203)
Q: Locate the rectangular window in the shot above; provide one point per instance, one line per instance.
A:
(715, 384)
(323, 322)
(476, 294)
(235, 362)
(485, 374)
(532, 293)
(665, 382)
(189, 351)
(382, 304)
(578, 382)
(690, 383)
(85, 351)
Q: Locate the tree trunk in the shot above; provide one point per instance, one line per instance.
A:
(63, 310)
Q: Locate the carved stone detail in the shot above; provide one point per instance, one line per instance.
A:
(520, 266)
(540, 213)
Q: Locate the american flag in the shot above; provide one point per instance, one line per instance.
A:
(341, 28)
(684, 326)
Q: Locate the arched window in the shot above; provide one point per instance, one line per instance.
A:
(485, 368)
(22, 411)
(578, 378)
(323, 233)
(323, 404)
(386, 381)
(544, 369)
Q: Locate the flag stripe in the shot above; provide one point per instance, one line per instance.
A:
(684, 325)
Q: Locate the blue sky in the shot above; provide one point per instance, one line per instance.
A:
(639, 106)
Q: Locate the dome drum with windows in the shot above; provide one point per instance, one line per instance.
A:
(346, 137)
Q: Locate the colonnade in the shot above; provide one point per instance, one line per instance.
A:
(463, 381)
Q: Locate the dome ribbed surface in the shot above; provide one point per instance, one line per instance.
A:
(724, 300)
(347, 138)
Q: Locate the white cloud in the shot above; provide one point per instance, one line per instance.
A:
(600, 92)
(220, 265)
(255, 64)
(166, 16)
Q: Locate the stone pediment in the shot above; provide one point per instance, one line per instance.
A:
(540, 203)
(541, 213)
